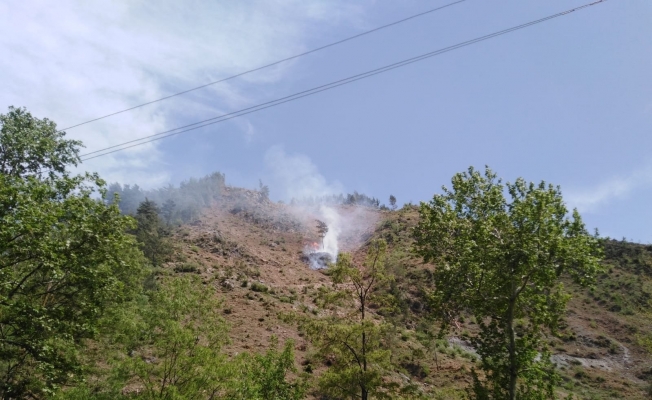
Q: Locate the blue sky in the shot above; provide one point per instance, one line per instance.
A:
(568, 101)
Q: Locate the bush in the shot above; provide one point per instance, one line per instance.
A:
(259, 287)
(188, 267)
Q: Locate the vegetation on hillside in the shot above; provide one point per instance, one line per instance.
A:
(489, 291)
(80, 316)
(502, 261)
(355, 198)
(179, 204)
(351, 339)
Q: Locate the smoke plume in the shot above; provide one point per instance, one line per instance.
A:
(298, 179)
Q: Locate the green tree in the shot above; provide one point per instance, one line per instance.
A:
(65, 257)
(264, 376)
(191, 196)
(353, 341)
(168, 344)
(392, 201)
(168, 210)
(177, 340)
(32, 147)
(502, 261)
(322, 230)
(151, 233)
(128, 197)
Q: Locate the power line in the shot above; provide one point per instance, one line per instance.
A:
(318, 89)
(321, 88)
(268, 65)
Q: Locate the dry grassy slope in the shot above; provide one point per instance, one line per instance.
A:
(244, 245)
(597, 348)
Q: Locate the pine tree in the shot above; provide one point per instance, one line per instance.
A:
(322, 230)
(392, 201)
(150, 233)
(168, 210)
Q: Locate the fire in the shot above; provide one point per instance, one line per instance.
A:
(312, 247)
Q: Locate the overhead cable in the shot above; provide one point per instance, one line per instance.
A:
(268, 65)
(318, 89)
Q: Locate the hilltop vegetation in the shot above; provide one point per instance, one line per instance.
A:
(202, 291)
(179, 204)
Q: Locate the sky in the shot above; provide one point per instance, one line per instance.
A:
(568, 101)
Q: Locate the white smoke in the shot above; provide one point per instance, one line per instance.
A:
(334, 222)
(295, 176)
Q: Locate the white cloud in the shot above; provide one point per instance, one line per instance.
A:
(591, 199)
(77, 60)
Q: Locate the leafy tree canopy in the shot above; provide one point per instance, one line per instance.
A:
(392, 201)
(182, 203)
(168, 345)
(502, 261)
(355, 344)
(151, 233)
(64, 257)
(33, 147)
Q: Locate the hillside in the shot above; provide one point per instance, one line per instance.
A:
(211, 291)
(252, 251)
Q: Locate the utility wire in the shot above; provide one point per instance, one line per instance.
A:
(315, 90)
(268, 65)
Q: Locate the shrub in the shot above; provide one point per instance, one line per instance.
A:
(190, 267)
(259, 287)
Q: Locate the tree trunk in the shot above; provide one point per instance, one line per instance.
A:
(364, 351)
(365, 392)
(513, 368)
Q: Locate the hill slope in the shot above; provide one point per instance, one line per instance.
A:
(253, 252)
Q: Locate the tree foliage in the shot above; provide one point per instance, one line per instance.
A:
(502, 261)
(264, 376)
(178, 354)
(168, 210)
(355, 198)
(64, 257)
(168, 345)
(322, 230)
(180, 204)
(392, 201)
(352, 341)
(32, 147)
(151, 233)
(263, 190)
